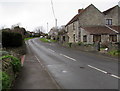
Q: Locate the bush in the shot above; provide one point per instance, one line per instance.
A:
(16, 64)
(70, 44)
(80, 43)
(11, 39)
(104, 45)
(6, 81)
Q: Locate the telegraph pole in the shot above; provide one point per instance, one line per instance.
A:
(56, 23)
(47, 26)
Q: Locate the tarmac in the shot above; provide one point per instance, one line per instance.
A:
(33, 75)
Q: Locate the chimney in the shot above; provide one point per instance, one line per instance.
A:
(80, 10)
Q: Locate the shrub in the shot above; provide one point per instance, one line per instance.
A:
(69, 44)
(16, 64)
(6, 81)
(105, 45)
(11, 39)
(80, 43)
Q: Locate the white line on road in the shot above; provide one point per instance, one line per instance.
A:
(51, 50)
(39, 61)
(104, 71)
(97, 69)
(68, 57)
(115, 76)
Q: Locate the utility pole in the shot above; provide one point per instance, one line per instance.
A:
(56, 23)
(47, 26)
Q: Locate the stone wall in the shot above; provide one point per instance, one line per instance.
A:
(113, 14)
(89, 37)
(91, 17)
(72, 31)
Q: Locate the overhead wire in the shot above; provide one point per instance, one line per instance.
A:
(53, 9)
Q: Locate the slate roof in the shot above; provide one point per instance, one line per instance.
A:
(81, 11)
(117, 28)
(107, 11)
(96, 30)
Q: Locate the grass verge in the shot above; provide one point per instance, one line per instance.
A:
(28, 38)
(114, 53)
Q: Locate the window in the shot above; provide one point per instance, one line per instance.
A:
(74, 37)
(108, 21)
(113, 38)
(79, 34)
(85, 38)
(63, 38)
(73, 26)
(96, 38)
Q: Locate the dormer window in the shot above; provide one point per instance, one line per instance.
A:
(108, 21)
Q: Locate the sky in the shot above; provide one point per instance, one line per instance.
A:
(31, 14)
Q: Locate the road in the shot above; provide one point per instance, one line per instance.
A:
(74, 69)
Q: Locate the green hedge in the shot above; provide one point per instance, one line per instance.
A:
(11, 39)
(6, 81)
(6, 78)
(14, 61)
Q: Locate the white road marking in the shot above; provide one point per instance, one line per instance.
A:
(115, 76)
(39, 61)
(64, 71)
(68, 57)
(51, 50)
(97, 69)
(104, 71)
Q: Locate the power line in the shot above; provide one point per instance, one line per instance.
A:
(53, 9)
(54, 13)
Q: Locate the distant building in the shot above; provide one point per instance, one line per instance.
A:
(53, 33)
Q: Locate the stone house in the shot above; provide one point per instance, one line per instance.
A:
(53, 33)
(91, 25)
(63, 37)
(102, 34)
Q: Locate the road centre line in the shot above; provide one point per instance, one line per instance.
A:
(103, 71)
(51, 50)
(115, 76)
(68, 57)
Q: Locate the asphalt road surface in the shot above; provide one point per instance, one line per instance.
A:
(74, 69)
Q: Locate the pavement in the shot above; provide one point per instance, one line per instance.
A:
(34, 75)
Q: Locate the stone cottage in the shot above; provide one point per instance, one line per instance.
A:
(53, 33)
(91, 25)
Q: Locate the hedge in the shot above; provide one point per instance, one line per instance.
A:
(6, 77)
(6, 81)
(11, 39)
(16, 64)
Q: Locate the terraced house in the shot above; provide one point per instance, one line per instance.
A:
(91, 25)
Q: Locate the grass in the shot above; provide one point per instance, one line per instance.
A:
(47, 40)
(102, 48)
(28, 38)
(114, 53)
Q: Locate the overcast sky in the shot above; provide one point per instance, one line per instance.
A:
(34, 13)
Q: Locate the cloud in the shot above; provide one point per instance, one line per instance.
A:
(34, 13)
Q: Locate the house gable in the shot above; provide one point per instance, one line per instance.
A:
(112, 13)
(91, 16)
